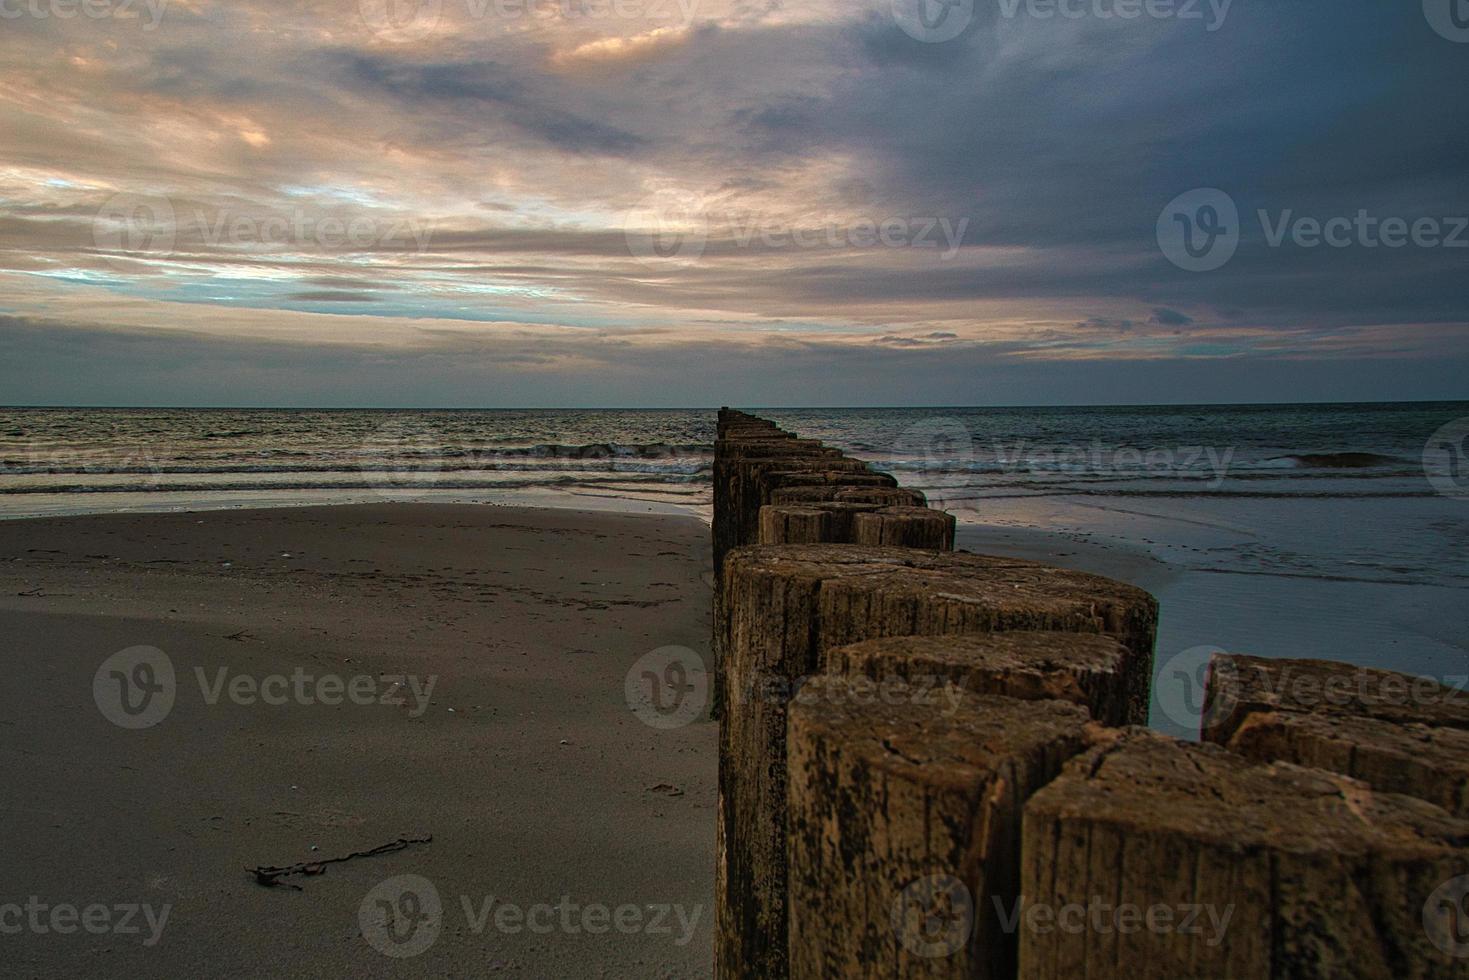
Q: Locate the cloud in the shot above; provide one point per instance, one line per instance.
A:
(76, 363)
(1170, 318)
(509, 154)
(332, 296)
(1106, 323)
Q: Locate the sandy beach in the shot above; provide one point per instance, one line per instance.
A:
(569, 838)
(348, 677)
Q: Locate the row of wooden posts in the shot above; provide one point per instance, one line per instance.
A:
(931, 764)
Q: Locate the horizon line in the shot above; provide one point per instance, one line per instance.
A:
(715, 408)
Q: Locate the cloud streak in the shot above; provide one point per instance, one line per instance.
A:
(544, 187)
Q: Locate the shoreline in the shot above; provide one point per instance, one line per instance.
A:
(250, 500)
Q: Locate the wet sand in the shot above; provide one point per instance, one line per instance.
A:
(569, 837)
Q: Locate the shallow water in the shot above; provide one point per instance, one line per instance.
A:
(1333, 492)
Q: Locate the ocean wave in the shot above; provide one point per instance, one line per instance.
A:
(605, 450)
(1336, 461)
(440, 463)
(1235, 469)
(948, 499)
(403, 482)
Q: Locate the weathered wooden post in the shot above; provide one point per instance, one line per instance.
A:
(787, 607)
(733, 461)
(1151, 859)
(1239, 685)
(899, 803)
(1398, 733)
(821, 523)
(1088, 669)
(843, 522)
(907, 527)
(845, 492)
(728, 484)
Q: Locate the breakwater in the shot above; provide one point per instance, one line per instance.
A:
(933, 764)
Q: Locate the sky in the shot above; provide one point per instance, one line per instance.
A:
(532, 203)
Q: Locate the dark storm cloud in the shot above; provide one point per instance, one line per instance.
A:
(1170, 318)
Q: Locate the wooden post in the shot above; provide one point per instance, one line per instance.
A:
(789, 605)
(1153, 859)
(1238, 686)
(727, 454)
(824, 523)
(734, 461)
(909, 527)
(1417, 760)
(894, 798)
(732, 481)
(846, 492)
(887, 497)
(1399, 733)
(1088, 669)
(759, 478)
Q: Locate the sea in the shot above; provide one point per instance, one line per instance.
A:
(1362, 491)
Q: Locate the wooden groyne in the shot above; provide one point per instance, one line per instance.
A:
(931, 765)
